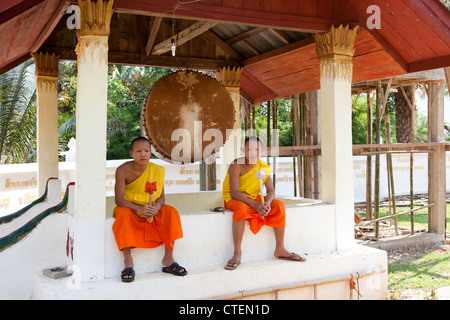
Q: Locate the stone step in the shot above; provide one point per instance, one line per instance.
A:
(322, 276)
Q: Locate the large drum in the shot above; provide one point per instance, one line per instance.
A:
(186, 116)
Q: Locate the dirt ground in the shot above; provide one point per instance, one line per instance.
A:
(409, 255)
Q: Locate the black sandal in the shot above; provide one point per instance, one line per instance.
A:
(175, 269)
(128, 274)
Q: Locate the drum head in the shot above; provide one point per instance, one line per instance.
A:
(186, 116)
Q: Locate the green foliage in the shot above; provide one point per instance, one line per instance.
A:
(127, 89)
(17, 114)
(128, 86)
(284, 126)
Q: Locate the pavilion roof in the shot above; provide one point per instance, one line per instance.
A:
(271, 39)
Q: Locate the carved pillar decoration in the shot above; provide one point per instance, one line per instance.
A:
(335, 51)
(230, 78)
(91, 116)
(95, 27)
(47, 117)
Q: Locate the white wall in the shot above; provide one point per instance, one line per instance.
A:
(18, 183)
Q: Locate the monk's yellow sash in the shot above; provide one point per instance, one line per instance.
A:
(135, 191)
(248, 184)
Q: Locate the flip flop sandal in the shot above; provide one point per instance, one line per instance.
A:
(128, 274)
(175, 269)
(293, 257)
(232, 265)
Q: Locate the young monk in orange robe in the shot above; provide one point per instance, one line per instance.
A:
(143, 220)
(241, 191)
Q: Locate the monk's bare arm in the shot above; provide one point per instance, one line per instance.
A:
(270, 195)
(119, 191)
(234, 172)
(270, 190)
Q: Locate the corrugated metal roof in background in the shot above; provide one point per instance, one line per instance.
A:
(262, 42)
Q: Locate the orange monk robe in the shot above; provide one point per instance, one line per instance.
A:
(130, 230)
(249, 186)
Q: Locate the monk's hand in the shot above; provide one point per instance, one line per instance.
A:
(267, 208)
(148, 211)
(260, 208)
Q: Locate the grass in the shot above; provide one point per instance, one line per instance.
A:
(423, 270)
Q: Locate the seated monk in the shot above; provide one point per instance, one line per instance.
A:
(241, 191)
(143, 220)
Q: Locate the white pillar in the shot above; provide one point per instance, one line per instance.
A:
(92, 84)
(231, 80)
(335, 51)
(47, 117)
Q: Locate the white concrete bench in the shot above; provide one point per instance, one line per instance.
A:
(207, 245)
(207, 236)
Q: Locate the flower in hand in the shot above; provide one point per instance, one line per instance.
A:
(150, 187)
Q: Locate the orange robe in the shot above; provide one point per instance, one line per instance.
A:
(249, 187)
(130, 230)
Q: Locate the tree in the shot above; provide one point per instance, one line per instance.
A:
(17, 114)
(403, 116)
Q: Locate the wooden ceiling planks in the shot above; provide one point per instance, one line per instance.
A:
(307, 15)
(297, 70)
(414, 36)
(414, 32)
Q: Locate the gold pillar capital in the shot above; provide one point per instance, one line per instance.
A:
(95, 17)
(335, 50)
(46, 66)
(229, 77)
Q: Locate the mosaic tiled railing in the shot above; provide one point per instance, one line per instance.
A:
(24, 230)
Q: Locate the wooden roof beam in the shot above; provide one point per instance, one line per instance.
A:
(244, 35)
(282, 35)
(8, 13)
(199, 10)
(214, 39)
(155, 24)
(50, 25)
(184, 36)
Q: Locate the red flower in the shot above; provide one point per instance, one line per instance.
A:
(150, 187)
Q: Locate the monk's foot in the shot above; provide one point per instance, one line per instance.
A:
(234, 262)
(175, 269)
(167, 261)
(285, 254)
(127, 274)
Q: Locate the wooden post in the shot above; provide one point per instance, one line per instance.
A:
(296, 102)
(377, 158)
(369, 158)
(269, 109)
(436, 168)
(314, 105)
(274, 136)
(411, 156)
(389, 164)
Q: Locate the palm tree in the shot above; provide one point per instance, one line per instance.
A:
(17, 114)
(403, 116)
